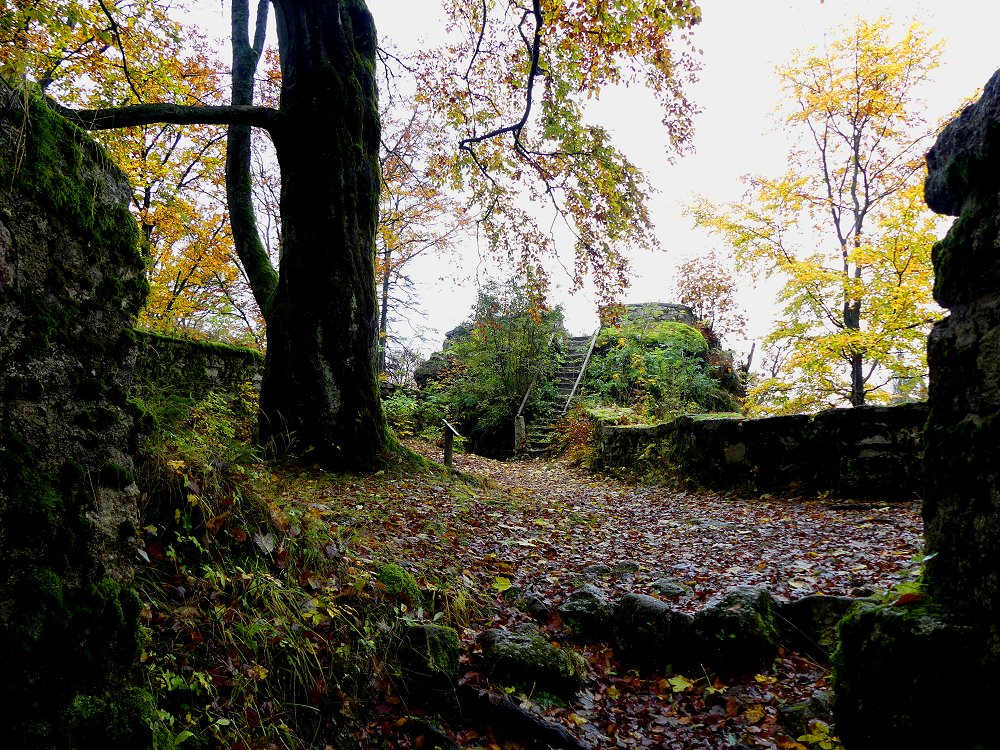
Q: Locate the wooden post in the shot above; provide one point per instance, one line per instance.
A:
(450, 433)
(449, 445)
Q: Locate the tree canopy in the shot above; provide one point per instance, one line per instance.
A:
(844, 228)
(511, 87)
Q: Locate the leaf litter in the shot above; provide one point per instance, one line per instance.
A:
(547, 527)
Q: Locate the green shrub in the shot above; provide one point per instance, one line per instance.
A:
(658, 370)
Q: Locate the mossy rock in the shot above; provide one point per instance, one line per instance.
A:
(898, 666)
(398, 583)
(527, 661)
(648, 631)
(587, 613)
(429, 656)
(738, 631)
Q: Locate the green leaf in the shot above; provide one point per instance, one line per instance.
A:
(679, 683)
(501, 584)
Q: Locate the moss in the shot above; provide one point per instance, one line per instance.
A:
(114, 476)
(111, 720)
(889, 672)
(397, 582)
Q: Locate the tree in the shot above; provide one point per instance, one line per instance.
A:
(510, 347)
(320, 390)
(416, 215)
(845, 227)
(705, 286)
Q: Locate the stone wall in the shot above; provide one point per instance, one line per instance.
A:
(193, 368)
(868, 452)
(71, 283)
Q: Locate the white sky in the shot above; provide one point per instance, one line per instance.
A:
(742, 41)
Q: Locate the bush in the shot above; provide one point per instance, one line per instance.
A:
(658, 369)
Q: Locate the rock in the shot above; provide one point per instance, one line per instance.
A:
(894, 665)
(809, 624)
(429, 655)
(594, 572)
(671, 589)
(530, 663)
(738, 631)
(798, 715)
(660, 312)
(72, 279)
(625, 570)
(649, 631)
(587, 613)
(966, 155)
(528, 602)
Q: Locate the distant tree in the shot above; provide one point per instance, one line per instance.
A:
(510, 346)
(845, 227)
(417, 215)
(708, 288)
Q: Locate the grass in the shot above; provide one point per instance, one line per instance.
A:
(268, 624)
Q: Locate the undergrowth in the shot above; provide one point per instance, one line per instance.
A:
(265, 630)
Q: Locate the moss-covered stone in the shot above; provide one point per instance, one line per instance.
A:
(738, 631)
(527, 661)
(397, 582)
(71, 281)
(893, 669)
(429, 656)
(649, 632)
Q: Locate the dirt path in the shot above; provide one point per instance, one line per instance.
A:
(548, 527)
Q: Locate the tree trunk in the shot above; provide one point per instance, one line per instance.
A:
(239, 178)
(320, 395)
(383, 321)
(852, 321)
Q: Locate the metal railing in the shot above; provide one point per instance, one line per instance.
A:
(583, 369)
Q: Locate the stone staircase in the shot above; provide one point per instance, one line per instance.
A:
(539, 432)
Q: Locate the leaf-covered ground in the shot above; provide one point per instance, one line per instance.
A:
(547, 527)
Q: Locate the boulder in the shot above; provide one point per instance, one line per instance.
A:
(649, 631)
(587, 613)
(527, 661)
(528, 602)
(670, 588)
(898, 670)
(429, 655)
(738, 631)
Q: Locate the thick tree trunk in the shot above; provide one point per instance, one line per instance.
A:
(320, 392)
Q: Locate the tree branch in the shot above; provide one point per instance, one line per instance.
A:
(176, 114)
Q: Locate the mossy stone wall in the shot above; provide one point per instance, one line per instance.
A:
(71, 283)
(866, 452)
(193, 369)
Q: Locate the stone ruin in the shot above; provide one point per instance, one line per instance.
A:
(71, 283)
(925, 674)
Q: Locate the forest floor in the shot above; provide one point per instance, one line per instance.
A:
(543, 525)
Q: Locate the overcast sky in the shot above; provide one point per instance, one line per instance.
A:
(742, 41)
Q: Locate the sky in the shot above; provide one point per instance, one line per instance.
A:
(735, 134)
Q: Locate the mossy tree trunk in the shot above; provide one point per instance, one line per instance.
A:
(320, 385)
(320, 395)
